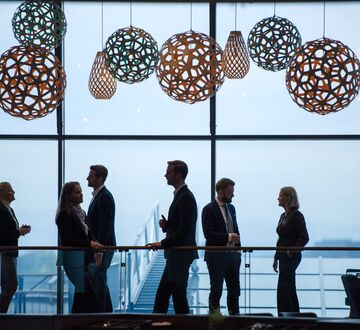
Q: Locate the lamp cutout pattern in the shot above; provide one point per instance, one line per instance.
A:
(32, 82)
(190, 68)
(323, 76)
(131, 54)
(235, 60)
(42, 23)
(102, 85)
(272, 42)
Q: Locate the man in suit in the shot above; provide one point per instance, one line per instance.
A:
(221, 229)
(180, 230)
(101, 219)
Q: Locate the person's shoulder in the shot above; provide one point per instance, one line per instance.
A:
(211, 205)
(297, 214)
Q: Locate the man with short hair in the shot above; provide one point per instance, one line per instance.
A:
(101, 219)
(221, 229)
(180, 230)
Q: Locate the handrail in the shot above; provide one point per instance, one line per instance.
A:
(125, 248)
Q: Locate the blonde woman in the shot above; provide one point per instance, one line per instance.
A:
(10, 231)
(292, 232)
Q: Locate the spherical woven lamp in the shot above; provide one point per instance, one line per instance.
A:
(41, 23)
(235, 60)
(131, 54)
(102, 85)
(323, 76)
(189, 68)
(272, 42)
(32, 82)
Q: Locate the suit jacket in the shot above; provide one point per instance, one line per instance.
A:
(9, 235)
(72, 233)
(214, 226)
(181, 225)
(101, 217)
(291, 230)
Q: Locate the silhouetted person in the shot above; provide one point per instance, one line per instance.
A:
(10, 231)
(73, 231)
(180, 231)
(221, 229)
(101, 219)
(292, 232)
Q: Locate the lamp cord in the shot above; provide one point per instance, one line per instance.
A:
(102, 24)
(274, 8)
(130, 13)
(235, 16)
(324, 18)
(190, 16)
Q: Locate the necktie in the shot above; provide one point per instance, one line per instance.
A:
(229, 220)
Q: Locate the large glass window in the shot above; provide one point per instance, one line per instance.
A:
(136, 176)
(140, 108)
(10, 124)
(260, 103)
(324, 173)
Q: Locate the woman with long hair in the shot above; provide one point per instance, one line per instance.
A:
(292, 232)
(10, 231)
(73, 231)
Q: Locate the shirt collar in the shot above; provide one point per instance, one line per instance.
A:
(96, 191)
(176, 190)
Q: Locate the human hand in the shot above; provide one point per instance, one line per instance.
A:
(162, 222)
(24, 230)
(154, 246)
(98, 258)
(235, 238)
(96, 245)
(275, 265)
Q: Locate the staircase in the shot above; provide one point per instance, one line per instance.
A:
(145, 301)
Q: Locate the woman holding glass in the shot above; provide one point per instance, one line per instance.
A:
(73, 231)
(292, 232)
(10, 231)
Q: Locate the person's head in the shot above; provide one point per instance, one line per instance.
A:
(70, 196)
(7, 194)
(225, 190)
(176, 172)
(288, 198)
(97, 176)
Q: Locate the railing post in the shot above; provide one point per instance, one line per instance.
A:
(130, 304)
(322, 286)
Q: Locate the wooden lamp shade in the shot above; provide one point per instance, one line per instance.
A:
(189, 68)
(42, 23)
(102, 85)
(272, 42)
(235, 60)
(131, 54)
(323, 76)
(32, 82)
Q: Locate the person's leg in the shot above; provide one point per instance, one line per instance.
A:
(215, 265)
(98, 280)
(9, 282)
(287, 300)
(163, 294)
(232, 279)
(178, 283)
